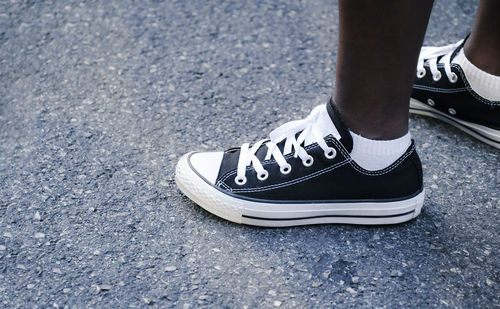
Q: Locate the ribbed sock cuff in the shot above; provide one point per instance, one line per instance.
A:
(483, 83)
(374, 154)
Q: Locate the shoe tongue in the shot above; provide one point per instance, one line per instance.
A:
(340, 126)
(459, 47)
(323, 122)
(325, 125)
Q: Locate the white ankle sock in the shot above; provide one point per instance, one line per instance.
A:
(483, 83)
(374, 154)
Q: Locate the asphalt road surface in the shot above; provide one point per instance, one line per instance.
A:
(98, 101)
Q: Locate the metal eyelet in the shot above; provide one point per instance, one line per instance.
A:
(286, 169)
(240, 180)
(308, 162)
(431, 102)
(452, 111)
(421, 73)
(331, 153)
(436, 77)
(454, 78)
(263, 176)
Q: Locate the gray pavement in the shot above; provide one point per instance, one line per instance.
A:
(99, 99)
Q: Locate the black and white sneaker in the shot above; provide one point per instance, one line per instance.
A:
(303, 174)
(441, 90)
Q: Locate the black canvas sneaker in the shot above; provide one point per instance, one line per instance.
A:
(303, 174)
(442, 91)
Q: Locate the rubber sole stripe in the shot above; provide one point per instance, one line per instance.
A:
(329, 216)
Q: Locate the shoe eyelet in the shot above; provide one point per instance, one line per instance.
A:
(421, 73)
(331, 153)
(431, 102)
(452, 111)
(308, 162)
(240, 180)
(263, 176)
(286, 169)
(436, 77)
(454, 78)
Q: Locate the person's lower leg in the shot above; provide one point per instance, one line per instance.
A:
(482, 48)
(379, 44)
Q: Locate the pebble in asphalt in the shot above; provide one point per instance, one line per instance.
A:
(98, 100)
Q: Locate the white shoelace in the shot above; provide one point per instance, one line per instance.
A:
(287, 132)
(431, 54)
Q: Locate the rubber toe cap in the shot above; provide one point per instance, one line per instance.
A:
(207, 164)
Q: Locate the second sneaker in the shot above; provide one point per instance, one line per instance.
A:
(450, 88)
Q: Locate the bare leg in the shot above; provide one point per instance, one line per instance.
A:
(379, 44)
(483, 46)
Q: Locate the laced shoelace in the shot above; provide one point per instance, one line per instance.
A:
(431, 55)
(309, 131)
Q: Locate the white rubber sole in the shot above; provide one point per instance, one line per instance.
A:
(484, 134)
(267, 214)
